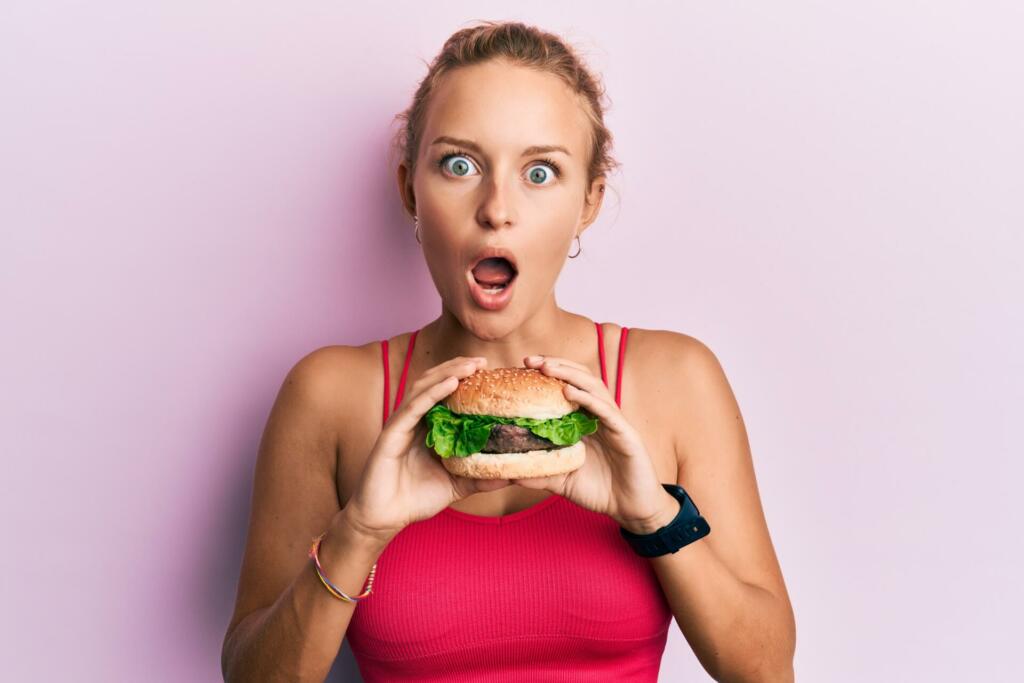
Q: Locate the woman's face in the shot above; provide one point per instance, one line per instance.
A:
(479, 184)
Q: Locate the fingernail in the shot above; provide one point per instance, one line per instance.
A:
(534, 358)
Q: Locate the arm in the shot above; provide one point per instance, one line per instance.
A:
(297, 637)
(286, 625)
(725, 590)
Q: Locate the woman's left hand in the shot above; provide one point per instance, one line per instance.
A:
(618, 477)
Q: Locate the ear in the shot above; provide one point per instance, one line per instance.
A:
(592, 206)
(405, 189)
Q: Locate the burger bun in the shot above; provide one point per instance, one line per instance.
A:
(539, 463)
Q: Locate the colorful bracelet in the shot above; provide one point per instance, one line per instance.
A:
(314, 552)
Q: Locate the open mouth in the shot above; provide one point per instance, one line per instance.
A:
(494, 274)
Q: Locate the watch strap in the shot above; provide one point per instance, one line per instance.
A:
(687, 527)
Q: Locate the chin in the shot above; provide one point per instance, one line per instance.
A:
(489, 325)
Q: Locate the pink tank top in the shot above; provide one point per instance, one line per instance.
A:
(548, 593)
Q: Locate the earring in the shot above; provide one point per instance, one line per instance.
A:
(416, 232)
(579, 248)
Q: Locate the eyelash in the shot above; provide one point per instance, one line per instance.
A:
(458, 152)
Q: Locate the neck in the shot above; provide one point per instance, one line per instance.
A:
(550, 331)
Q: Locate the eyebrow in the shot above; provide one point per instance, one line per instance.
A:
(535, 149)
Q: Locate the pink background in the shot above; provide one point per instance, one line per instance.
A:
(196, 194)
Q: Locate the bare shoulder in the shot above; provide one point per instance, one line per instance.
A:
(334, 381)
(674, 369)
(315, 380)
(315, 374)
(661, 347)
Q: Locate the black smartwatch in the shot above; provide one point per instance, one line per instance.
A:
(687, 527)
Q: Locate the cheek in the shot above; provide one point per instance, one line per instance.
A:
(557, 216)
(556, 238)
(443, 266)
(445, 198)
(545, 264)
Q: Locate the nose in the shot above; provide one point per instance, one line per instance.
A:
(495, 209)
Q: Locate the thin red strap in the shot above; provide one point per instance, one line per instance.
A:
(405, 368)
(600, 353)
(622, 361)
(387, 373)
(622, 358)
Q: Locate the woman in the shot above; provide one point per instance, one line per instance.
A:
(504, 580)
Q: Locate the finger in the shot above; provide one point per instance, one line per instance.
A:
(460, 367)
(414, 407)
(555, 483)
(606, 412)
(441, 367)
(537, 361)
(584, 379)
(465, 486)
(444, 369)
(484, 485)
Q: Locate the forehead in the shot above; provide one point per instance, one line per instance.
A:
(506, 107)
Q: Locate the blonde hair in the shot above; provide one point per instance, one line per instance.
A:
(521, 45)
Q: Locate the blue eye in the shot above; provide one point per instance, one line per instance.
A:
(461, 167)
(540, 173)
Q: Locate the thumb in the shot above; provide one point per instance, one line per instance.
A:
(483, 485)
(467, 486)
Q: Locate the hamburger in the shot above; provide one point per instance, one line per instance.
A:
(508, 423)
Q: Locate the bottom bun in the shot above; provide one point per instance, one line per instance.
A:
(540, 463)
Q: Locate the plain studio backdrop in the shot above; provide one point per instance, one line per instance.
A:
(828, 194)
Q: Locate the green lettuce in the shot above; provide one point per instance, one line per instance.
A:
(459, 435)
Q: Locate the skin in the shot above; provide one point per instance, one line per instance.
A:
(504, 109)
(325, 462)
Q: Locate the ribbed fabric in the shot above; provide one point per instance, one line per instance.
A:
(549, 593)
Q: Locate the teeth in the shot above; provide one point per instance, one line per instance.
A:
(491, 289)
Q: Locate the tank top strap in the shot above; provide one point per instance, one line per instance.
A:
(387, 373)
(621, 365)
(387, 377)
(622, 358)
(600, 352)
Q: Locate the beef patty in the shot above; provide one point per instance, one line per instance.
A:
(509, 438)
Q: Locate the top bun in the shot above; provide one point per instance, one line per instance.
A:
(511, 392)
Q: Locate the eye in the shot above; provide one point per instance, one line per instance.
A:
(540, 173)
(461, 166)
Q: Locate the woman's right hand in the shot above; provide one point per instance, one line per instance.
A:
(403, 480)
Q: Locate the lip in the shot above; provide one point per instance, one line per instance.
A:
(486, 300)
(494, 252)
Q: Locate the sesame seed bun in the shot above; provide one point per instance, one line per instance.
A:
(511, 392)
